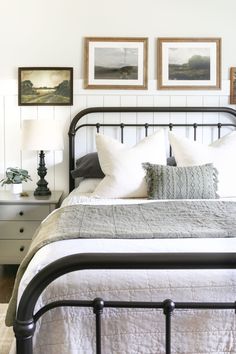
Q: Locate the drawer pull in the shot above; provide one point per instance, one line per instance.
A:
(21, 230)
(21, 213)
(22, 248)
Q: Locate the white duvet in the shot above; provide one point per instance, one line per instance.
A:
(131, 331)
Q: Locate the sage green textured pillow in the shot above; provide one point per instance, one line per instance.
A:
(191, 182)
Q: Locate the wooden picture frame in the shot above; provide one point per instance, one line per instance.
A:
(233, 85)
(189, 63)
(45, 86)
(116, 63)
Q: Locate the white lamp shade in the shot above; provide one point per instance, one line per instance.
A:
(43, 134)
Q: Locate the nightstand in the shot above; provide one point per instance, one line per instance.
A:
(19, 218)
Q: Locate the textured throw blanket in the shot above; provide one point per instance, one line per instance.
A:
(167, 219)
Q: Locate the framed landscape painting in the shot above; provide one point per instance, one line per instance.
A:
(232, 85)
(189, 63)
(116, 63)
(45, 86)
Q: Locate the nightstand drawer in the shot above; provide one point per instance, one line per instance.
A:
(23, 212)
(13, 251)
(18, 229)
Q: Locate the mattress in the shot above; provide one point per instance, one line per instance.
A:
(72, 330)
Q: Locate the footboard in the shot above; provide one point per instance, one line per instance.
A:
(25, 322)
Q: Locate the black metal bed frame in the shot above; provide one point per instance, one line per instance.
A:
(25, 322)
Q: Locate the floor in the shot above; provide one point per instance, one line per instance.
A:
(7, 277)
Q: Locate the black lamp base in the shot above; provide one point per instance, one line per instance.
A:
(39, 191)
(42, 189)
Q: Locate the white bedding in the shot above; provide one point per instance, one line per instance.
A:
(84, 195)
(68, 331)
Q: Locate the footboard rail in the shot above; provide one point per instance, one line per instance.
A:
(25, 322)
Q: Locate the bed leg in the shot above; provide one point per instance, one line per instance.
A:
(98, 305)
(24, 332)
(168, 308)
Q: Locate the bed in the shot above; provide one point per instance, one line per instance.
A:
(148, 292)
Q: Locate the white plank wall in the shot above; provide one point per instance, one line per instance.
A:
(11, 116)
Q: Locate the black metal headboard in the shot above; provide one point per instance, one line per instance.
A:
(74, 124)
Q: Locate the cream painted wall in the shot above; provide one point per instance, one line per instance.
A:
(51, 32)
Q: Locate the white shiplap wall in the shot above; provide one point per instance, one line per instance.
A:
(11, 116)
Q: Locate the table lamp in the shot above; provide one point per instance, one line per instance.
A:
(42, 135)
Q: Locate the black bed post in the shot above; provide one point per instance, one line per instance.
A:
(24, 331)
(168, 308)
(98, 305)
(71, 158)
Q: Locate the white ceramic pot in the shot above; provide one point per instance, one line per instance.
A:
(16, 188)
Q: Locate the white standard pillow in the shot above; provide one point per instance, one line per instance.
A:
(88, 185)
(221, 153)
(122, 165)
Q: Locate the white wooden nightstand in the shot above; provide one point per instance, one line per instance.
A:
(19, 218)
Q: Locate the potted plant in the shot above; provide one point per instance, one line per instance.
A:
(15, 176)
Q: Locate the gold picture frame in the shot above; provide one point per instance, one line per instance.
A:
(189, 63)
(116, 63)
(45, 86)
(233, 85)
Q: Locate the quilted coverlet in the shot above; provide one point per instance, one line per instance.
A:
(172, 219)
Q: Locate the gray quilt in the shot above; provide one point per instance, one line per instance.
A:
(167, 219)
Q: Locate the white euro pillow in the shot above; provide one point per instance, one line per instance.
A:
(221, 153)
(122, 165)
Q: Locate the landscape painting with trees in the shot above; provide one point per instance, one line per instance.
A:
(45, 86)
(189, 63)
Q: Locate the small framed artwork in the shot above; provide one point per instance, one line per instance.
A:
(116, 63)
(45, 86)
(189, 63)
(232, 85)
